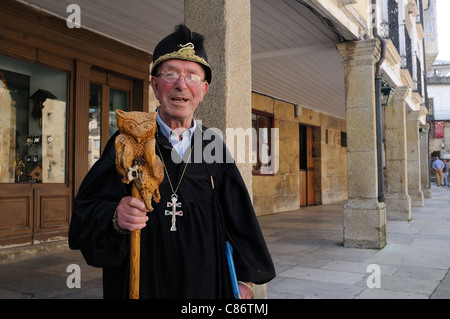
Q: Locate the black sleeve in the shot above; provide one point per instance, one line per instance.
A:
(252, 259)
(91, 230)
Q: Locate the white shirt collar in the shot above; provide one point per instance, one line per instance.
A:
(179, 144)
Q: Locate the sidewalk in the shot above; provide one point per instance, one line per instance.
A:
(45, 277)
(306, 247)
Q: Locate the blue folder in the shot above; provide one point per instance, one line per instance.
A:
(234, 282)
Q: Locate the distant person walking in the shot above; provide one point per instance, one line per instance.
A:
(445, 173)
(438, 167)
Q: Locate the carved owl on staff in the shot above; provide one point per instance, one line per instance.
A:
(136, 159)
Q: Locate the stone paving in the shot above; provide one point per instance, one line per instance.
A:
(306, 246)
(311, 262)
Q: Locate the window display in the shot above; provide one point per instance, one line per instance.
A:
(32, 123)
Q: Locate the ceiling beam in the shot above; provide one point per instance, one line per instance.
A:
(293, 51)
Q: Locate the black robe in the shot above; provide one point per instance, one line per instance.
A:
(187, 263)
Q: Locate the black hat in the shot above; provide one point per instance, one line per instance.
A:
(183, 44)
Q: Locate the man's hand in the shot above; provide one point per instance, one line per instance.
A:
(131, 214)
(245, 292)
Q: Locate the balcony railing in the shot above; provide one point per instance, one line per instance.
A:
(390, 29)
(408, 50)
(419, 76)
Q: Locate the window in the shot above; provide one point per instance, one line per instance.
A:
(95, 119)
(32, 123)
(118, 100)
(108, 93)
(262, 124)
(431, 106)
(343, 139)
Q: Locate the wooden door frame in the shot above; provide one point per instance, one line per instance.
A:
(109, 81)
(43, 208)
(307, 192)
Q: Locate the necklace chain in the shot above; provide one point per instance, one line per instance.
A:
(167, 173)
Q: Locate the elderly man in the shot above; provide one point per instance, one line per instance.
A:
(438, 167)
(188, 261)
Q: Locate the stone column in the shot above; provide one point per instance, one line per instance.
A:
(364, 218)
(398, 202)
(425, 160)
(228, 103)
(413, 149)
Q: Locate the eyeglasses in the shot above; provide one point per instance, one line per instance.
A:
(171, 77)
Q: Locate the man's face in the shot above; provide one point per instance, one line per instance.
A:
(178, 100)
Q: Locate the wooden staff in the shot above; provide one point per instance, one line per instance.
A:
(135, 255)
(137, 162)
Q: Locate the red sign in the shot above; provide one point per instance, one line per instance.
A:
(439, 129)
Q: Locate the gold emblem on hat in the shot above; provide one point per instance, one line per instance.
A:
(186, 52)
(186, 49)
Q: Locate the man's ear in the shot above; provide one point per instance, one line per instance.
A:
(154, 84)
(205, 89)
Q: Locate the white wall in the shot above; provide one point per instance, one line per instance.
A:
(441, 101)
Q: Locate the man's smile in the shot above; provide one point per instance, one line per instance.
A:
(179, 99)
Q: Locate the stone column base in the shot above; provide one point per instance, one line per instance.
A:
(416, 198)
(260, 291)
(426, 193)
(364, 224)
(398, 206)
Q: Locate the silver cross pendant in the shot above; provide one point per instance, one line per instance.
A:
(173, 212)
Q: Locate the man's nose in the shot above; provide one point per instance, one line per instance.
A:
(181, 82)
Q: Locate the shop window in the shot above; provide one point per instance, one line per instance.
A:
(33, 105)
(262, 124)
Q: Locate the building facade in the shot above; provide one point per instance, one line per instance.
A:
(59, 87)
(306, 76)
(439, 95)
(312, 156)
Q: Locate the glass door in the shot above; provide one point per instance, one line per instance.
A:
(108, 93)
(118, 100)
(95, 120)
